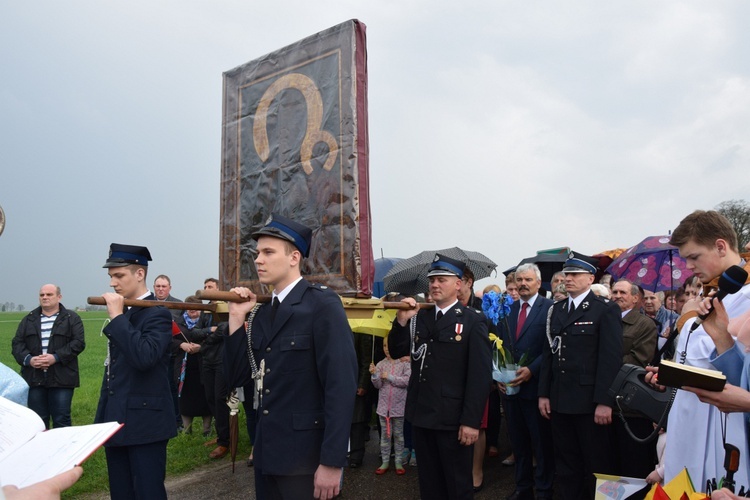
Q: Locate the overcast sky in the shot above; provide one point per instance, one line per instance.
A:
(503, 127)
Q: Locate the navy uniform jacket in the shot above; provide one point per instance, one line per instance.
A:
(309, 384)
(532, 341)
(577, 378)
(136, 389)
(452, 386)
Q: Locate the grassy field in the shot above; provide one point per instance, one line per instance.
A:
(184, 453)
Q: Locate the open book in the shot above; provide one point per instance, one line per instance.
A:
(674, 374)
(29, 454)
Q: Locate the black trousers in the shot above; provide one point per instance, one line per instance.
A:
(269, 487)
(137, 472)
(530, 435)
(634, 459)
(215, 387)
(360, 428)
(582, 448)
(494, 418)
(444, 464)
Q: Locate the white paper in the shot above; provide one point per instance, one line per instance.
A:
(29, 454)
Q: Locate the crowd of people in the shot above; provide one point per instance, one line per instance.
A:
(313, 390)
(162, 370)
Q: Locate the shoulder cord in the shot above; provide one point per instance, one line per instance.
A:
(419, 353)
(255, 374)
(106, 361)
(554, 345)
(233, 401)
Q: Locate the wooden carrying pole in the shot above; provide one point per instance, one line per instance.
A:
(184, 306)
(349, 303)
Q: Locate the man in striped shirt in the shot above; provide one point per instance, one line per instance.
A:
(47, 344)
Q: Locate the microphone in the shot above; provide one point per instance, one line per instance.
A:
(731, 281)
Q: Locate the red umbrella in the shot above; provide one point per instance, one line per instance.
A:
(654, 264)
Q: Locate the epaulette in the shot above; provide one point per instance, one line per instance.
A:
(318, 286)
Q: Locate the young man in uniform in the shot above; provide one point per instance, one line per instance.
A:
(135, 389)
(305, 369)
(585, 354)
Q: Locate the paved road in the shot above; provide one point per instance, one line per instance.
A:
(217, 481)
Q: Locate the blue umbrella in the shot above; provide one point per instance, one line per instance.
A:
(382, 266)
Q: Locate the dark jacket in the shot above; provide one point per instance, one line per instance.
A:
(532, 341)
(66, 343)
(309, 384)
(135, 388)
(578, 376)
(197, 335)
(639, 336)
(212, 348)
(450, 387)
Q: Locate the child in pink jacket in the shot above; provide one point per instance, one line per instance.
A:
(391, 377)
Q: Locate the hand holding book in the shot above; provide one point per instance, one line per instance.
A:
(673, 374)
(730, 400)
(29, 454)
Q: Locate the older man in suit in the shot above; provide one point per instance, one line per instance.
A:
(639, 336)
(304, 368)
(530, 434)
(135, 389)
(585, 354)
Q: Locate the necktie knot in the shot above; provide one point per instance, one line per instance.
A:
(522, 318)
(439, 315)
(274, 307)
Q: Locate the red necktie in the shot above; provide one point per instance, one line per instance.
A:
(521, 318)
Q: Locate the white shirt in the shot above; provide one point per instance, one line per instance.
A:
(530, 302)
(577, 301)
(445, 309)
(282, 294)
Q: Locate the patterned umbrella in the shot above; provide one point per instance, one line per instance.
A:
(183, 368)
(175, 332)
(409, 276)
(654, 264)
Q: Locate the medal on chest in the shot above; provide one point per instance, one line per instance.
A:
(459, 331)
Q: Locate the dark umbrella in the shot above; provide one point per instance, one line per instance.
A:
(233, 402)
(409, 276)
(548, 264)
(654, 264)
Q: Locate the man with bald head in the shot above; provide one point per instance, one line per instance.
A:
(47, 344)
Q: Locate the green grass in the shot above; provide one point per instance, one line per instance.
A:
(184, 453)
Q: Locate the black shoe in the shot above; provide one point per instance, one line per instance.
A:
(354, 464)
(521, 495)
(477, 489)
